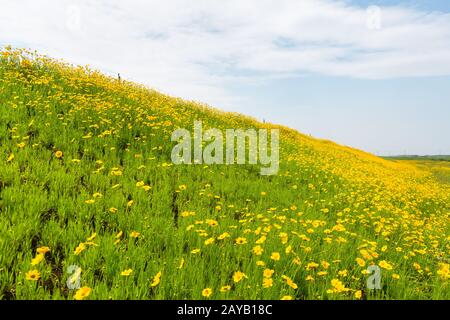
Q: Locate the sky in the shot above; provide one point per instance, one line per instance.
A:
(374, 75)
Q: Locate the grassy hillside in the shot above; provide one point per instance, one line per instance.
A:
(86, 179)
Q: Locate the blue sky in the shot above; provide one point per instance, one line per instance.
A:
(369, 74)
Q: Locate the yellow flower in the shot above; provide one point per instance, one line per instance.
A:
(195, 251)
(58, 154)
(140, 184)
(81, 247)
(10, 158)
(135, 234)
(275, 256)
(385, 265)
(209, 241)
(113, 210)
(156, 279)
(240, 240)
(260, 263)
(92, 237)
(396, 276)
(126, 272)
(287, 298)
(258, 250)
(33, 275)
(268, 273)
(289, 282)
(312, 265)
(358, 294)
(261, 240)
(182, 187)
(207, 292)
(37, 259)
(130, 203)
(82, 293)
(43, 250)
(360, 262)
(223, 236)
(225, 288)
(267, 282)
(338, 286)
(238, 276)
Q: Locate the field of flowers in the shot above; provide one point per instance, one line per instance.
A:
(86, 180)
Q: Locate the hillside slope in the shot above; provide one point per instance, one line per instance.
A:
(85, 170)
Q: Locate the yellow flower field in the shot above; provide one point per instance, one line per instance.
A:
(86, 180)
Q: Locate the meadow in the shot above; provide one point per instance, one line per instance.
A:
(86, 180)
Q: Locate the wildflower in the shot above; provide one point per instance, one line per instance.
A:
(182, 187)
(260, 263)
(58, 154)
(181, 263)
(257, 250)
(43, 250)
(240, 240)
(130, 203)
(33, 275)
(261, 240)
(135, 234)
(395, 276)
(113, 210)
(209, 241)
(312, 265)
(288, 249)
(275, 256)
(140, 184)
(238, 276)
(358, 294)
(156, 279)
(267, 273)
(37, 259)
(444, 271)
(267, 282)
(360, 262)
(223, 236)
(81, 247)
(289, 282)
(195, 251)
(82, 293)
(225, 288)
(92, 237)
(287, 298)
(385, 265)
(10, 158)
(338, 286)
(126, 272)
(207, 292)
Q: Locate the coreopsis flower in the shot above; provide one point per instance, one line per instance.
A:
(258, 250)
(238, 276)
(33, 275)
(207, 292)
(43, 250)
(275, 256)
(225, 288)
(385, 265)
(82, 293)
(37, 259)
(240, 240)
(267, 273)
(267, 282)
(126, 272)
(156, 279)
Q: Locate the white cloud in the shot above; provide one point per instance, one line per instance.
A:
(194, 48)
